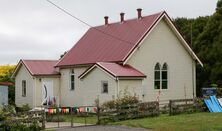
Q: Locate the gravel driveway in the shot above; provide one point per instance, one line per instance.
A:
(102, 128)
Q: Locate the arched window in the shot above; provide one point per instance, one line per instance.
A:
(161, 76)
(164, 76)
(157, 76)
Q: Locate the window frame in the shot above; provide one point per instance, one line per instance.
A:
(161, 70)
(164, 80)
(72, 81)
(24, 84)
(102, 87)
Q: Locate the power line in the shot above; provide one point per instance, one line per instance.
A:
(87, 23)
(68, 13)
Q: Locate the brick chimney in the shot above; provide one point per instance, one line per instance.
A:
(139, 11)
(106, 20)
(122, 17)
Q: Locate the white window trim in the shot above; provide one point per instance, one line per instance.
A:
(161, 88)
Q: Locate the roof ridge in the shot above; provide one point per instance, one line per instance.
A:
(76, 57)
(36, 60)
(131, 19)
(107, 62)
(26, 66)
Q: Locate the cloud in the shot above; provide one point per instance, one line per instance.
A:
(34, 29)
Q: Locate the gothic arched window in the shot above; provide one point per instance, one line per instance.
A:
(157, 76)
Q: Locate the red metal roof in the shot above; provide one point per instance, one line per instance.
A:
(116, 70)
(120, 70)
(6, 83)
(109, 43)
(41, 67)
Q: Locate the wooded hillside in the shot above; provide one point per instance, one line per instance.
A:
(206, 33)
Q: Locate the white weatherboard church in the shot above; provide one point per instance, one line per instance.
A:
(146, 56)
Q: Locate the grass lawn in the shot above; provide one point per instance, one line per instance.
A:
(76, 119)
(183, 122)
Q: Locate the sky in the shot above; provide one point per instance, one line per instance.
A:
(35, 29)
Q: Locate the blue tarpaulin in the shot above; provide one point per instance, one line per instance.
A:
(213, 104)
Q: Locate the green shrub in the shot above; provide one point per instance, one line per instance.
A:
(34, 127)
(20, 127)
(200, 105)
(6, 112)
(2, 115)
(24, 108)
(219, 92)
(120, 102)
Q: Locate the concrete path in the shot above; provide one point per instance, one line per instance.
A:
(101, 128)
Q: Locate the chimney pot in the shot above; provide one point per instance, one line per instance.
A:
(122, 17)
(139, 11)
(106, 20)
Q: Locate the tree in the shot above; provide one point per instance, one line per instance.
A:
(5, 76)
(207, 43)
(6, 72)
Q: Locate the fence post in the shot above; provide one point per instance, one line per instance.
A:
(98, 110)
(170, 107)
(98, 115)
(195, 104)
(43, 119)
(57, 113)
(158, 108)
(72, 116)
(85, 118)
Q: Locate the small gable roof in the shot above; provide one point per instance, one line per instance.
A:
(114, 69)
(116, 42)
(38, 67)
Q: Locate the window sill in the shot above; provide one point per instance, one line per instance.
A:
(161, 90)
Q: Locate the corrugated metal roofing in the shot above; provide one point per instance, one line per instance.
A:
(41, 67)
(112, 43)
(120, 70)
(116, 70)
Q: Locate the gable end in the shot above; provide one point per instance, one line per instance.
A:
(169, 22)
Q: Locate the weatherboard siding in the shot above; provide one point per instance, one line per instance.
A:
(71, 97)
(38, 89)
(130, 87)
(92, 87)
(3, 95)
(23, 74)
(89, 88)
(161, 46)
